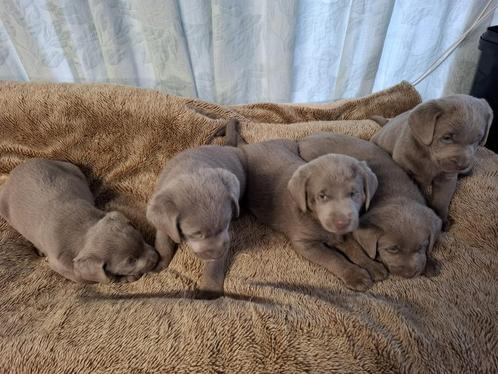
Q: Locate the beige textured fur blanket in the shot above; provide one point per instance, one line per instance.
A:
(282, 314)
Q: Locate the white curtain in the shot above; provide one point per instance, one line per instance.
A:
(239, 51)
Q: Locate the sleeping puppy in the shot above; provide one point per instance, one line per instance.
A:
(436, 141)
(399, 229)
(314, 204)
(49, 203)
(196, 196)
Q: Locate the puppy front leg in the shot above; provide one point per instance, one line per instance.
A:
(352, 275)
(357, 255)
(166, 249)
(212, 279)
(443, 189)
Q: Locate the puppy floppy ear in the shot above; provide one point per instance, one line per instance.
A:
(4, 206)
(233, 186)
(297, 186)
(436, 225)
(90, 268)
(235, 208)
(117, 216)
(368, 239)
(422, 120)
(432, 267)
(370, 182)
(488, 112)
(163, 213)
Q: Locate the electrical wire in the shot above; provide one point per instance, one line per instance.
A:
(479, 19)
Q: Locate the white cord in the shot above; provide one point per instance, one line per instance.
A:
(480, 18)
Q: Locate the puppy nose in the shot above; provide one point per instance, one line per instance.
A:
(342, 223)
(409, 273)
(461, 164)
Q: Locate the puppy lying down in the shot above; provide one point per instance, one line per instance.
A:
(314, 204)
(196, 196)
(399, 229)
(49, 203)
(436, 141)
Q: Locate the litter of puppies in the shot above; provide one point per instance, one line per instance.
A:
(348, 205)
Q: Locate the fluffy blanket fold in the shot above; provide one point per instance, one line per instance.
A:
(281, 313)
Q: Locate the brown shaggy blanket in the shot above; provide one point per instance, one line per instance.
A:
(281, 314)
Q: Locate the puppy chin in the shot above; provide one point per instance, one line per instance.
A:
(450, 167)
(407, 273)
(465, 171)
(209, 253)
(330, 227)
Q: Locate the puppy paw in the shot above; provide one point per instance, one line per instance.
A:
(126, 278)
(446, 225)
(378, 271)
(447, 222)
(358, 280)
(432, 268)
(208, 294)
(161, 265)
(38, 252)
(209, 290)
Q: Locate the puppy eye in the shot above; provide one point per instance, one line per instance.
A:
(197, 235)
(322, 196)
(393, 249)
(448, 138)
(131, 260)
(353, 193)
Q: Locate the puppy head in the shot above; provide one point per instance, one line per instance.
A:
(451, 128)
(198, 208)
(114, 247)
(399, 235)
(334, 188)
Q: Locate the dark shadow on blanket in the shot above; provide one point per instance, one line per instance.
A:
(99, 297)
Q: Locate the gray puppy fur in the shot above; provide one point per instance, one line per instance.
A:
(313, 204)
(436, 141)
(196, 196)
(49, 203)
(399, 229)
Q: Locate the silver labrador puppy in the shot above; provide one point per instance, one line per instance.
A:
(314, 204)
(49, 203)
(436, 141)
(197, 195)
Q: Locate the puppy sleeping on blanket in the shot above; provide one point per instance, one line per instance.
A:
(398, 229)
(49, 203)
(314, 204)
(436, 141)
(196, 196)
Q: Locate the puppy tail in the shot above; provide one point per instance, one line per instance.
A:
(232, 134)
(381, 121)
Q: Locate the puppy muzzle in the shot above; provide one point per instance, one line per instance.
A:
(211, 248)
(340, 226)
(458, 163)
(407, 271)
